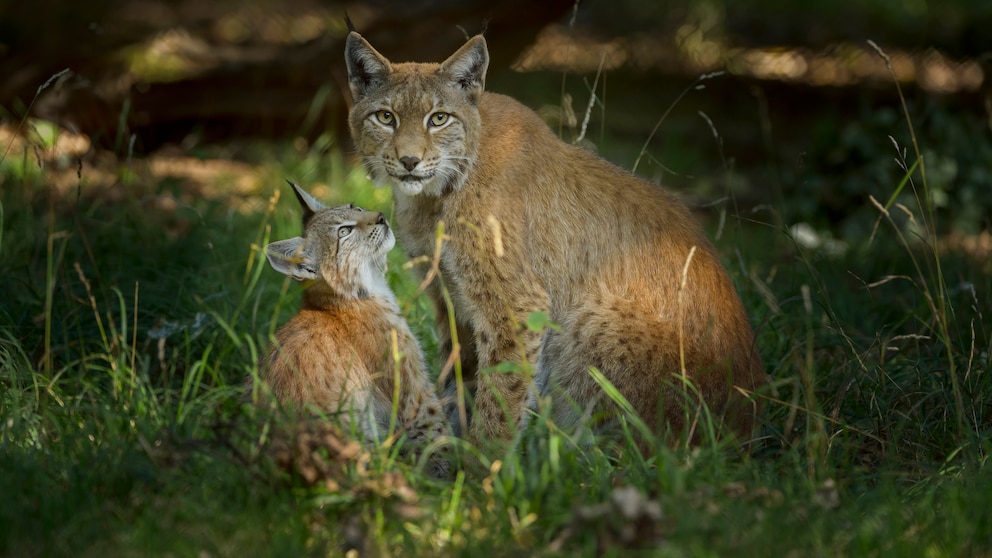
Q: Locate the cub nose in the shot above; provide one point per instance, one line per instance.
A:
(381, 220)
(409, 163)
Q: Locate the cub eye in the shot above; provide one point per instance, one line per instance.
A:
(343, 231)
(386, 117)
(438, 119)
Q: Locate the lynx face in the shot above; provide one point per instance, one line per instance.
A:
(416, 126)
(344, 247)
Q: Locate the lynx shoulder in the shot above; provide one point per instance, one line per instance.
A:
(338, 354)
(537, 225)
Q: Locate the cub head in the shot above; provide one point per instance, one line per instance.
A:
(416, 126)
(343, 249)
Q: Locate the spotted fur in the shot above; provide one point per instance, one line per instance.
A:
(534, 224)
(343, 351)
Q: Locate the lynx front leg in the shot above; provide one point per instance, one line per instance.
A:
(451, 362)
(426, 424)
(501, 391)
(421, 416)
(495, 290)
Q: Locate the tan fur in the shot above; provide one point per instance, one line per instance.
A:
(337, 353)
(598, 248)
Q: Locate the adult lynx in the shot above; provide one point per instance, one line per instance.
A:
(534, 224)
(337, 354)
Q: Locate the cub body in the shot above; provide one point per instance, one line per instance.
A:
(338, 354)
(533, 224)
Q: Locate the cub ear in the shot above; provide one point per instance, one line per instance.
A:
(290, 258)
(367, 69)
(310, 204)
(467, 67)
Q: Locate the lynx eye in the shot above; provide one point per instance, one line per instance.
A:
(439, 119)
(344, 231)
(386, 117)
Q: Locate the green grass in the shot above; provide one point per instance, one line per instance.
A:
(127, 329)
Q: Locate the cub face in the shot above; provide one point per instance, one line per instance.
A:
(343, 248)
(416, 126)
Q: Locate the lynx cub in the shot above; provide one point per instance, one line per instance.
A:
(534, 224)
(337, 353)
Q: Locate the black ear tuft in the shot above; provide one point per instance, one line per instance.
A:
(310, 204)
(467, 67)
(347, 21)
(367, 69)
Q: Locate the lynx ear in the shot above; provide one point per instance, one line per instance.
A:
(290, 257)
(310, 204)
(467, 67)
(367, 69)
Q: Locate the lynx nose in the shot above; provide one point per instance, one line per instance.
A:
(381, 220)
(409, 163)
